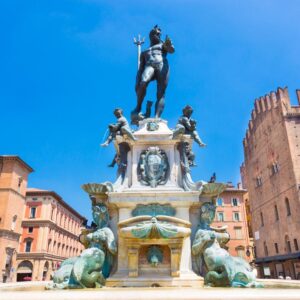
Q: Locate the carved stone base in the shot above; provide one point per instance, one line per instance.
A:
(185, 280)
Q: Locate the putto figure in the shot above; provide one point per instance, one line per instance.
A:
(153, 66)
(187, 125)
(121, 127)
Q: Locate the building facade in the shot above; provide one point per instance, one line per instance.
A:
(231, 212)
(13, 184)
(271, 173)
(50, 231)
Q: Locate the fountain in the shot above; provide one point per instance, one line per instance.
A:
(153, 223)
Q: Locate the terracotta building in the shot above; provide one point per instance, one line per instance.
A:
(13, 183)
(231, 211)
(271, 173)
(50, 230)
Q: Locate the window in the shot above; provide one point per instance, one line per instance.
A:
(236, 216)
(296, 245)
(276, 213)
(288, 246)
(28, 245)
(235, 202)
(30, 229)
(276, 248)
(220, 202)
(49, 246)
(262, 219)
(238, 232)
(32, 212)
(288, 208)
(266, 249)
(13, 223)
(258, 181)
(240, 251)
(220, 216)
(275, 168)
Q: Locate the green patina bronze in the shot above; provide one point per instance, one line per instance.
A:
(154, 209)
(222, 268)
(154, 255)
(154, 229)
(93, 265)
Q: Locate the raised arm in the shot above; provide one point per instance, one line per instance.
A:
(168, 45)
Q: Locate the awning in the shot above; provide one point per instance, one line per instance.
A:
(24, 269)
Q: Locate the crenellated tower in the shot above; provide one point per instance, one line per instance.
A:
(271, 173)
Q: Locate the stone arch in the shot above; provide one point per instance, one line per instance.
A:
(24, 270)
(46, 271)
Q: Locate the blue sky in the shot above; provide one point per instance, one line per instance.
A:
(65, 65)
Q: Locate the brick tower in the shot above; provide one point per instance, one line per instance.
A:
(271, 173)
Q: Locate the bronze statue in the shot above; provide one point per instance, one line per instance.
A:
(121, 127)
(153, 66)
(187, 125)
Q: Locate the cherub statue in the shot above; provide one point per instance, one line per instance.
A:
(187, 125)
(121, 127)
(208, 248)
(94, 264)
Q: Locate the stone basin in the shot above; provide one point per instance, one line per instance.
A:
(274, 289)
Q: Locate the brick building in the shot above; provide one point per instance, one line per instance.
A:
(271, 173)
(13, 184)
(50, 230)
(231, 211)
(38, 229)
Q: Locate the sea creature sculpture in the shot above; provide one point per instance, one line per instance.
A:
(222, 268)
(93, 265)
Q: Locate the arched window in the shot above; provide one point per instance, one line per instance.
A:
(288, 244)
(276, 213)
(49, 246)
(288, 208)
(13, 223)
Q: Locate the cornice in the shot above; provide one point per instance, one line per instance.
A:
(13, 191)
(10, 234)
(39, 255)
(47, 223)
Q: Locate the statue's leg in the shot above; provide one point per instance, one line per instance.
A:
(162, 76)
(197, 138)
(127, 131)
(142, 87)
(178, 130)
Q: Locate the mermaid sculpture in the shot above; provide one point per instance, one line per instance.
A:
(94, 264)
(222, 268)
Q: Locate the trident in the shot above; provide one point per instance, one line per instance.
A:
(139, 42)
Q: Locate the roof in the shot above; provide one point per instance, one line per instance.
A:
(18, 159)
(234, 190)
(277, 257)
(40, 192)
